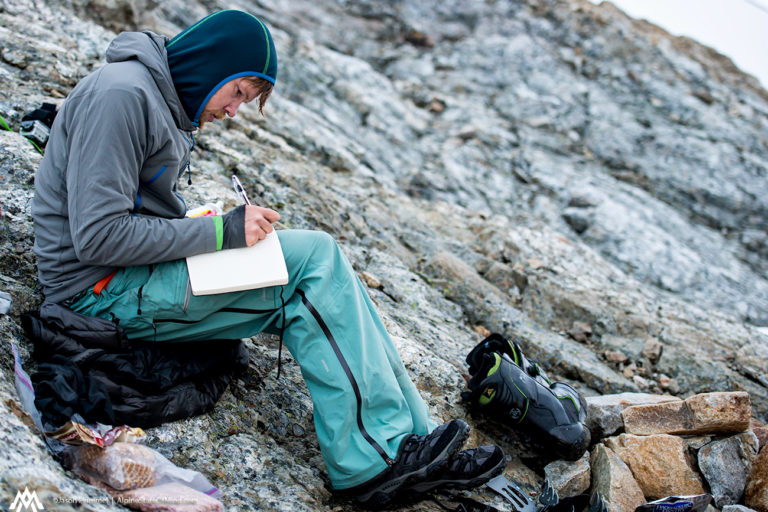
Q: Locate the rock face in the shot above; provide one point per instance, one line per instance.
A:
(549, 169)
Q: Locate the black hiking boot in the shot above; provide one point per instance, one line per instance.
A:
(553, 413)
(418, 458)
(467, 470)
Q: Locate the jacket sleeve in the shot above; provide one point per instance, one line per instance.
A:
(108, 142)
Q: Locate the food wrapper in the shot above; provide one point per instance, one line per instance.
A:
(77, 434)
(122, 466)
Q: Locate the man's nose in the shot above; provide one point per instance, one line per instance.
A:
(231, 109)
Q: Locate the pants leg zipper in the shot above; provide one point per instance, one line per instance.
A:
(349, 375)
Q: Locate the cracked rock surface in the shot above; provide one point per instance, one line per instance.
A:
(548, 169)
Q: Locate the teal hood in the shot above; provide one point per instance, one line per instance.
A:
(220, 47)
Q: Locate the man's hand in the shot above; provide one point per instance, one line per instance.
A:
(258, 222)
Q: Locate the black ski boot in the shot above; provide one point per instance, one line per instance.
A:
(498, 343)
(554, 413)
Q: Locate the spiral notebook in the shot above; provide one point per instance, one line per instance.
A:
(234, 270)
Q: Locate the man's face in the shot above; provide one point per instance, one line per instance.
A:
(227, 100)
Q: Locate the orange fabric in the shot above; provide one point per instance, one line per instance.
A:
(103, 283)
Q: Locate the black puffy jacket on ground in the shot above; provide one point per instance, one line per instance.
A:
(87, 366)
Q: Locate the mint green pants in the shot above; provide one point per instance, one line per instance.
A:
(364, 402)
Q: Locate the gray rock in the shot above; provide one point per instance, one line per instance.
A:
(695, 443)
(5, 302)
(579, 219)
(652, 349)
(736, 508)
(569, 478)
(726, 464)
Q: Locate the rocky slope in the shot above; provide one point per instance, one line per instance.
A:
(548, 169)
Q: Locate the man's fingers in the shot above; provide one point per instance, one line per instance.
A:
(270, 215)
(265, 225)
(258, 222)
(254, 236)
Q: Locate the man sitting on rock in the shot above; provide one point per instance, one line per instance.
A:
(111, 238)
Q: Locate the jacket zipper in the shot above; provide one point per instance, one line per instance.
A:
(351, 378)
(141, 292)
(187, 293)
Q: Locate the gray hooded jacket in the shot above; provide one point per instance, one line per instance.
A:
(105, 192)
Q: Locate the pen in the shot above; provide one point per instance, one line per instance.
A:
(239, 190)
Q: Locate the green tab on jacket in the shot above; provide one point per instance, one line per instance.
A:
(219, 223)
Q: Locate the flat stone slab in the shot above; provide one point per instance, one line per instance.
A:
(604, 411)
(706, 413)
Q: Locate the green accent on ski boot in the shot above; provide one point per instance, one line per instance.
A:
(487, 396)
(569, 397)
(495, 366)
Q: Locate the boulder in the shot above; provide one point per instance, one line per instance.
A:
(569, 478)
(659, 463)
(725, 464)
(664, 418)
(613, 480)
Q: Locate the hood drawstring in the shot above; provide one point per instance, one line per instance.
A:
(191, 147)
(282, 330)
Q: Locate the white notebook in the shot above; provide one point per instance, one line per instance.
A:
(234, 270)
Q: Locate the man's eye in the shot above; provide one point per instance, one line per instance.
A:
(239, 92)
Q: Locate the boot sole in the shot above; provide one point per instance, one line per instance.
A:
(384, 494)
